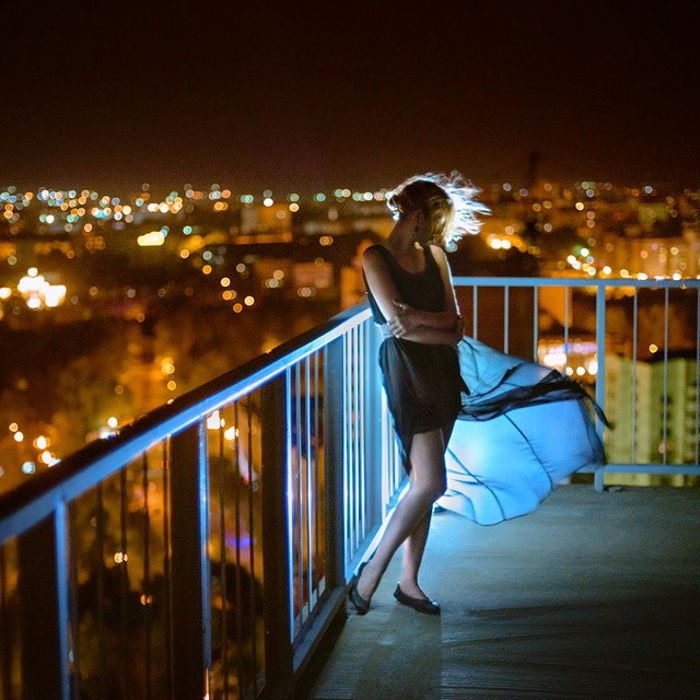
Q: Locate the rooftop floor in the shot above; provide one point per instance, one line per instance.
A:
(593, 595)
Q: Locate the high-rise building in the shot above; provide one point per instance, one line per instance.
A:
(662, 419)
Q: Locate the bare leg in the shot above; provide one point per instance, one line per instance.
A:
(428, 464)
(413, 548)
(414, 544)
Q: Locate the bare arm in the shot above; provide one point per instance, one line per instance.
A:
(380, 282)
(434, 336)
(434, 319)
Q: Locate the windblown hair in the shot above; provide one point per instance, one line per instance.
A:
(447, 202)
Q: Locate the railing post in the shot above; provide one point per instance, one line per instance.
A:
(598, 480)
(190, 567)
(43, 587)
(276, 535)
(373, 424)
(333, 439)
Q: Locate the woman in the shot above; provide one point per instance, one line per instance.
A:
(430, 371)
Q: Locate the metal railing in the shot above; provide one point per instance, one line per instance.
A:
(621, 402)
(206, 548)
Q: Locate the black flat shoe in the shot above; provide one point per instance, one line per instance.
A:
(360, 604)
(420, 604)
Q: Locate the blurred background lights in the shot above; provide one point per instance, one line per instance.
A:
(153, 238)
(47, 457)
(215, 421)
(586, 234)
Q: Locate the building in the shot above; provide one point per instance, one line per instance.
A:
(639, 437)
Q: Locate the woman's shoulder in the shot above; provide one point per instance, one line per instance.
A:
(376, 261)
(437, 251)
(374, 252)
(378, 247)
(438, 254)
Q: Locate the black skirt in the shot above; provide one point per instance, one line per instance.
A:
(423, 387)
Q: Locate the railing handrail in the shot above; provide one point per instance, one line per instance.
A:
(35, 499)
(462, 281)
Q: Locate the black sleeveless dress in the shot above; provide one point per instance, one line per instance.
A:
(422, 381)
(522, 427)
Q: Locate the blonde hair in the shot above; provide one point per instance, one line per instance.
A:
(447, 202)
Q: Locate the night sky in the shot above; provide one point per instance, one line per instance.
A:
(355, 95)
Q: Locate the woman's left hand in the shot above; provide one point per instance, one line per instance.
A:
(405, 320)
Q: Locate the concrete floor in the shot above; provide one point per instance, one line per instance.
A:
(594, 595)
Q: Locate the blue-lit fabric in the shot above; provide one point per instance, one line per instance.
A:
(519, 427)
(523, 428)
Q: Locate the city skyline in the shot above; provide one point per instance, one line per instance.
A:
(490, 189)
(362, 96)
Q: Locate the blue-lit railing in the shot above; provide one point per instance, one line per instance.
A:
(206, 548)
(620, 402)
